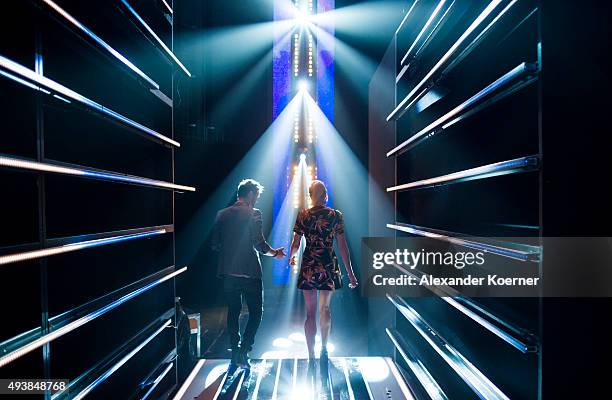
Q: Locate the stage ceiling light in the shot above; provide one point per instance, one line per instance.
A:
(301, 17)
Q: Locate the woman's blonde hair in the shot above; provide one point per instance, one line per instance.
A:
(318, 192)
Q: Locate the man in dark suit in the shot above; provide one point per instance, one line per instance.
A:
(238, 237)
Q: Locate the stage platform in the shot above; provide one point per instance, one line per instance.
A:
(350, 378)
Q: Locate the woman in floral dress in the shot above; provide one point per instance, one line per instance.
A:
(319, 272)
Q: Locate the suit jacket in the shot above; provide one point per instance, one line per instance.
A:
(238, 237)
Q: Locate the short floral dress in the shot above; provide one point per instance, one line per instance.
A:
(319, 269)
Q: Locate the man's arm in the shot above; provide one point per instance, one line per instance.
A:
(259, 240)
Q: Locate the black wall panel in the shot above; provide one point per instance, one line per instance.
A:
(84, 256)
(467, 95)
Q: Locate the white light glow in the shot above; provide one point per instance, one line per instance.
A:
(302, 392)
(274, 354)
(297, 337)
(374, 369)
(301, 17)
(303, 85)
(282, 342)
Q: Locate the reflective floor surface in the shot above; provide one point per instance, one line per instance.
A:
(359, 378)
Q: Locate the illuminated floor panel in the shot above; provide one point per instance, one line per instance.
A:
(350, 378)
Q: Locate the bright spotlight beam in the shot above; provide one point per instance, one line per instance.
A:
(348, 181)
(303, 86)
(259, 163)
(301, 18)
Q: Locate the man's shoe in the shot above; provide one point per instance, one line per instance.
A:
(243, 360)
(235, 357)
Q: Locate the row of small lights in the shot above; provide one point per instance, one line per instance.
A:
(310, 42)
(311, 175)
(296, 186)
(310, 45)
(296, 46)
(296, 127)
(310, 130)
(296, 54)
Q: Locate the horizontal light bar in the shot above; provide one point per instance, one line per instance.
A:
(157, 380)
(451, 296)
(15, 354)
(526, 253)
(483, 34)
(167, 6)
(11, 162)
(400, 109)
(398, 378)
(31, 255)
(401, 25)
(23, 82)
(401, 73)
(508, 77)
(486, 171)
(49, 84)
(423, 30)
(120, 363)
(157, 39)
(476, 380)
(101, 42)
(194, 372)
(427, 381)
(500, 333)
(434, 29)
(68, 316)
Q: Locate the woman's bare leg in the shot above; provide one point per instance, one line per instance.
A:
(325, 316)
(310, 325)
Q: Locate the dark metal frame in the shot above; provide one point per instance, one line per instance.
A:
(50, 324)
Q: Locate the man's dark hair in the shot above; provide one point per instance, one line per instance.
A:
(249, 185)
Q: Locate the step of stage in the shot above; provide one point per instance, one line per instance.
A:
(350, 378)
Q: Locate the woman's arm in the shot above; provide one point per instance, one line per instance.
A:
(346, 259)
(295, 245)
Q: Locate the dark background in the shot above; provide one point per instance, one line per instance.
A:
(576, 179)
